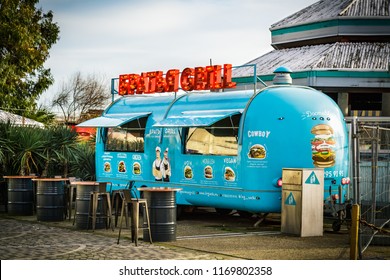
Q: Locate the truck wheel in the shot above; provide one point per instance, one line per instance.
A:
(336, 226)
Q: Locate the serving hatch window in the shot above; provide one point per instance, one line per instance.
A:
(129, 137)
(221, 138)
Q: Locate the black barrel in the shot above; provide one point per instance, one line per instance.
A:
(3, 196)
(20, 195)
(83, 198)
(50, 199)
(162, 215)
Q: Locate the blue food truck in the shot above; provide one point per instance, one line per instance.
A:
(224, 149)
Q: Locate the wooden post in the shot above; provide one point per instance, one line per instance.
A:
(353, 251)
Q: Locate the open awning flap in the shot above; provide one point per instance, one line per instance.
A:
(196, 118)
(113, 120)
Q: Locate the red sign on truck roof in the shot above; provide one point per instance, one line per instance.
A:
(198, 78)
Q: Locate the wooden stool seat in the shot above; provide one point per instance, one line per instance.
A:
(135, 227)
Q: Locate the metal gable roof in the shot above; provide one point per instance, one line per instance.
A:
(359, 56)
(367, 8)
(18, 120)
(332, 9)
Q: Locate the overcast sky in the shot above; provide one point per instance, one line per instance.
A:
(113, 37)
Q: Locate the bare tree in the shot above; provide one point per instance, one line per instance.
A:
(80, 95)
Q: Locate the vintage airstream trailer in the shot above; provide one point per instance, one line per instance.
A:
(224, 149)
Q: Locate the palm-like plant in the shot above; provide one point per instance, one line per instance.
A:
(83, 165)
(51, 151)
(28, 146)
(60, 150)
(5, 147)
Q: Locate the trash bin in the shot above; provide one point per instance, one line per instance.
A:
(302, 201)
(20, 195)
(162, 213)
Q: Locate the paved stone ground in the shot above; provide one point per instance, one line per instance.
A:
(24, 240)
(200, 236)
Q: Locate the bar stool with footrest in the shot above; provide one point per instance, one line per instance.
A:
(117, 200)
(135, 227)
(105, 205)
(71, 196)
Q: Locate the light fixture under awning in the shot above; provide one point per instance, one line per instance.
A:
(113, 120)
(196, 118)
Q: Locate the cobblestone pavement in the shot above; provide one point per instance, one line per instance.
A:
(200, 236)
(24, 240)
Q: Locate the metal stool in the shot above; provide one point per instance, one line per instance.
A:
(70, 197)
(93, 205)
(117, 200)
(135, 227)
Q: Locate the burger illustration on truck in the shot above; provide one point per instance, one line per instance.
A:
(257, 151)
(208, 172)
(188, 172)
(136, 168)
(323, 145)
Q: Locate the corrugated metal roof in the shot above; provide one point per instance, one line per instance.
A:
(17, 120)
(371, 56)
(367, 8)
(359, 56)
(331, 9)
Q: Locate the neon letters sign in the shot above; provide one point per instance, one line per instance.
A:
(198, 78)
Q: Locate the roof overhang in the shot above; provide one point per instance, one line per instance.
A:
(374, 29)
(197, 118)
(113, 120)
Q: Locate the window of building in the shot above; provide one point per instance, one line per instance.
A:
(221, 138)
(129, 137)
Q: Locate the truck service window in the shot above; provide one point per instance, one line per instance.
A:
(220, 138)
(127, 138)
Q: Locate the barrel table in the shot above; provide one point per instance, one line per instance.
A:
(83, 198)
(3, 196)
(20, 195)
(51, 198)
(162, 213)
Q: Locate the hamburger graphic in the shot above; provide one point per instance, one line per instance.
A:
(107, 167)
(257, 151)
(136, 168)
(188, 172)
(122, 166)
(208, 172)
(229, 174)
(323, 145)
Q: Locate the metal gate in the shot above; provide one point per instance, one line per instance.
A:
(370, 169)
